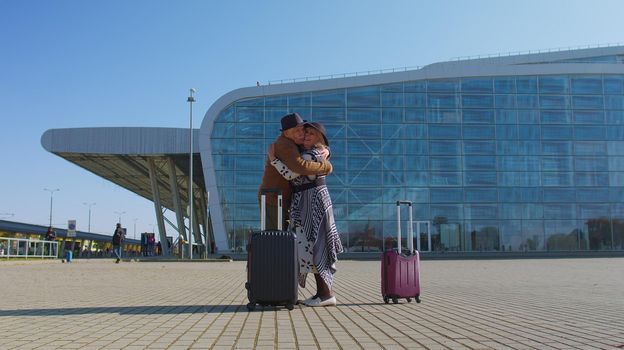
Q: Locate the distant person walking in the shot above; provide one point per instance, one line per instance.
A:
(51, 237)
(118, 237)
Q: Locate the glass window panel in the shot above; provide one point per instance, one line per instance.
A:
(504, 85)
(363, 97)
(533, 211)
(394, 87)
(559, 211)
(481, 194)
(359, 163)
(614, 85)
(250, 146)
(338, 179)
(223, 146)
(561, 234)
(561, 195)
(532, 147)
(246, 178)
(556, 116)
(443, 116)
(553, 85)
(249, 130)
(590, 132)
(445, 163)
(251, 102)
(364, 131)
(359, 146)
(392, 99)
(477, 101)
(442, 101)
(443, 85)
(556, 163)
(227, 115)
(592, 195)
(249, 115)
(614, 102)
(363, 212)
(247, 195)
(251, 162)
(415, 86)
(557, 179)
(328, 115)
(417, 163)
(616, 163)
(589, 117)
(449, 211)
(481, 116)
(479, 132)
(393, 131)
(390, 194)
(339, 162)
(446, 179)
(335, 131)
(526, 101)
(393, 162)
(616, 179)
(528, 116)
(477, 85)
(518, 179)
(365, 178)
(587, 85)
(615, 148)
(452, 132)
(511, 236)
(415, 100)
(482, 235)
(276, 101)
(480, 211)
(332, 98)
(416, 147)
(556, 147)
(227, 162)
(417, 179)
(588, 102)
(447, 195)
(506, 132)
(392, 115)
(415, 115)
(415, 131)
(274, 114)
(507, 147)
(526, 85)
(591, 179)
(393, 178)
(393, 147)
(304, 112)
(505, 101)
(554, 102)
(479, 163)
(559, 132)
(416, 195)
(364, 196)
(299, 100)
(511, 210)
(364, 115)
(593, 211)
(516, 194)
(591, 164)
(446, 147)
(615, 133)
(479, 147)
(480, 178)
(529, 132)
(223, 130)
(506, 116)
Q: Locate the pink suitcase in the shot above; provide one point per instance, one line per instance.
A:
(400, 271)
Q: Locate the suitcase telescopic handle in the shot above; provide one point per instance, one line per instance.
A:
(410, 227)
(263, 193)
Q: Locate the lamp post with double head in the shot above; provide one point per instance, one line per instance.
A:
(120, 213)
(89, 205)
(190, 100)
(51, 201)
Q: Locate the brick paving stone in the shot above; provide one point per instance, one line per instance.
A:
(476, 304)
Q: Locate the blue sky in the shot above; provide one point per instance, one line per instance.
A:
(130, 63)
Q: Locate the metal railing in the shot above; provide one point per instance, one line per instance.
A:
(27, 248)
(343, 75)
(518, 53)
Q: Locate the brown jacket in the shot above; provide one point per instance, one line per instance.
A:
(288, 152)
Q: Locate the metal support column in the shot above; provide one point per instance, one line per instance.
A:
(157, 206)
(197, 234)
(207, 229)
(175, 192)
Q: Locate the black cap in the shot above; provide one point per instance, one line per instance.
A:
(291, 120)
(320, 128)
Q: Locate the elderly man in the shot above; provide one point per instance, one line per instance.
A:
(286, 149)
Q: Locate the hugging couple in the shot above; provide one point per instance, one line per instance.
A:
(298, 162)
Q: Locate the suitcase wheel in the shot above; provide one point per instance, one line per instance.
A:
(395, 300)
(409, 300)
(418, 298)
(386, 299)
(290, 306)
(251, 307)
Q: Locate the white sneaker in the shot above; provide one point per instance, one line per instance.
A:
(305, 302)
(317, 302)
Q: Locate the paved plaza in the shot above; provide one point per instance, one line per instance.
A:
(470, 304)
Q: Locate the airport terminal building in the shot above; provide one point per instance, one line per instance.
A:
(518, 153)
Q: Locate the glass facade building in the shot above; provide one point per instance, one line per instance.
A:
(517, 159)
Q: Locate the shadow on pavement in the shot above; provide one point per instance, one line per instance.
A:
(126, 310)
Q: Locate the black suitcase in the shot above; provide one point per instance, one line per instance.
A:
(272, 268)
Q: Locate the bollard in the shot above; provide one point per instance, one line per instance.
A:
(68, 256)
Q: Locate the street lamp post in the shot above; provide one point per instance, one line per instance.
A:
(120, 213)
(51, 195)
(89, 205)
(134, 234)
(190, 100)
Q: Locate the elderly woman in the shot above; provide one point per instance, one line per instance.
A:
(312, 219)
